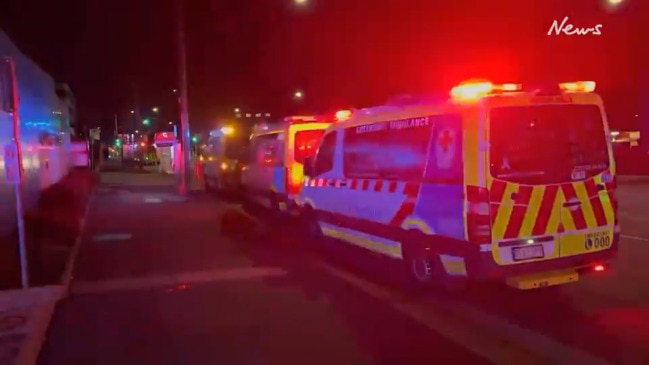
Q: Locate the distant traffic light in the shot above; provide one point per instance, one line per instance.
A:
(195, 139)
(118, 142)
(146, 122)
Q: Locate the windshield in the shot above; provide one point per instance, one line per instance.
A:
(547, 143)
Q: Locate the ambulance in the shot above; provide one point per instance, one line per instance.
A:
(223, 157)
(274, 174)
(505, 182)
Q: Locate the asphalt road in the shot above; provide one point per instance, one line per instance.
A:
(160, 280)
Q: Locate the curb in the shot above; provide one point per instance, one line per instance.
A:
(42, 314)
(66, 277)
(37, 329)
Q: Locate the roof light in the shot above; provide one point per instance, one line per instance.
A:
(472, 90)
(343, 115)
(300, 118)
(578, 86)
(227, 130)
(511, 87)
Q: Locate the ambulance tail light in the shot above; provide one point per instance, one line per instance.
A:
(578, 86)
(294, 179)
(294, 185)
(611, 187)
(478, 218)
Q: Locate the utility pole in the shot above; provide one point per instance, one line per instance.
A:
(136, 107)
(14, 167)
(121, 145)
(185, 160)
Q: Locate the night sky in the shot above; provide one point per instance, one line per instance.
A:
(253, 54)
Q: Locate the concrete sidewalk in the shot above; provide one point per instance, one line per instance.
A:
(24, 318)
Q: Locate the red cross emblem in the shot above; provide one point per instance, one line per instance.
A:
(445, 140)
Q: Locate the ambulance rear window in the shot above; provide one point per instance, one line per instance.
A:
(547, 144)
(306, 143)
(236, 148)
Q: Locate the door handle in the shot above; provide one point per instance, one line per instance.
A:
(571, 204)
(342, 184)
(331, 183)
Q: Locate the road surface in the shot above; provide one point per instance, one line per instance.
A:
(157, 283)
(159, 280)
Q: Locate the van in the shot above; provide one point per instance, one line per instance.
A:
(274, 174)
(223, 157)
(497, 182)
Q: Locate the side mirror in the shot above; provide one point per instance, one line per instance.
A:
(308, 167)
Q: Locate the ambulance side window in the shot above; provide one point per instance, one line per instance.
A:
(324, 160)
(365, 151)
(392, 150)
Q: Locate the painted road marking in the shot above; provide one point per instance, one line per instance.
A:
(632, 217)
(151, 282)
(486, 335)
(635, 238)
(112, 237)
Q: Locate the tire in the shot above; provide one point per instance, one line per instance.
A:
(425, 270)
(418, 263)
(421, 269)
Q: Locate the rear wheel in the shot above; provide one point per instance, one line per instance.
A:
(421, 269)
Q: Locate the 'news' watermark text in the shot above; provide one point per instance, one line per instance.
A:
(566, 28)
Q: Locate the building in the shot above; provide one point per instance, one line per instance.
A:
(68, 109)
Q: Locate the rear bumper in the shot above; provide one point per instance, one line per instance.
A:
(481, 265)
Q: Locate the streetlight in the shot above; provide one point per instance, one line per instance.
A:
(300, 2)
(237, 110)
(132, 111)
(170, 123)
(175, 91)
(155, 109)
(298, 95)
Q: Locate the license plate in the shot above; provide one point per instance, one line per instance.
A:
(578, 175)
(528, 252)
